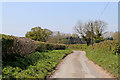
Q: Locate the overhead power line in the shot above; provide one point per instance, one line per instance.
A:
(104, 10)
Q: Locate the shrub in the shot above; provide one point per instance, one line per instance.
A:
(116, 51)
(7, 44)
(41, 47)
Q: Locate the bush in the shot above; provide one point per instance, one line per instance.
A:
(116, 51)
(7, 44)
(41, 47)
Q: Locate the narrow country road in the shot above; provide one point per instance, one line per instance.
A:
(76, 65)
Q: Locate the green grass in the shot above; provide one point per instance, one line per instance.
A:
(104, 59)
(106, 54)
(37, 65)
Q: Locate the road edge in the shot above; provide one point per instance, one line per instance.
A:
(99, 68)
(58, 65)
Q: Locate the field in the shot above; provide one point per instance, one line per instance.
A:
(106, 54)
(37, 65)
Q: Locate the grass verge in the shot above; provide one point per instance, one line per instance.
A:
(106, 60)
(37, 65)
(106, 54)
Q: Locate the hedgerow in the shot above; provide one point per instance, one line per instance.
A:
(25, 46)
(77, 46)
(7, 43)
(20, 61)
(106, 54)
(49, 46)
(37, 65)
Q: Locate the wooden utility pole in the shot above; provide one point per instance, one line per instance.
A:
(92, 33)
(58, 37)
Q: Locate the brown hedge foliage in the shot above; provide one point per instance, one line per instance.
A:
(17, 45)
(23, 45)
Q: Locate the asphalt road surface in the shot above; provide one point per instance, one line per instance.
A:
(76, 65)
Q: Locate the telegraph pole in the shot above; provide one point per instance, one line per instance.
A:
(58, 37)
(92, 33)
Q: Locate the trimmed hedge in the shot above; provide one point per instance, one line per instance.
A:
(25, 46)
(17, 45)
(49, 46)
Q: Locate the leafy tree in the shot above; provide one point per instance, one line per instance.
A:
(38, 34)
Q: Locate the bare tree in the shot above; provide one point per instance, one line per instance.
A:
(90, 30)
(100, 27)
